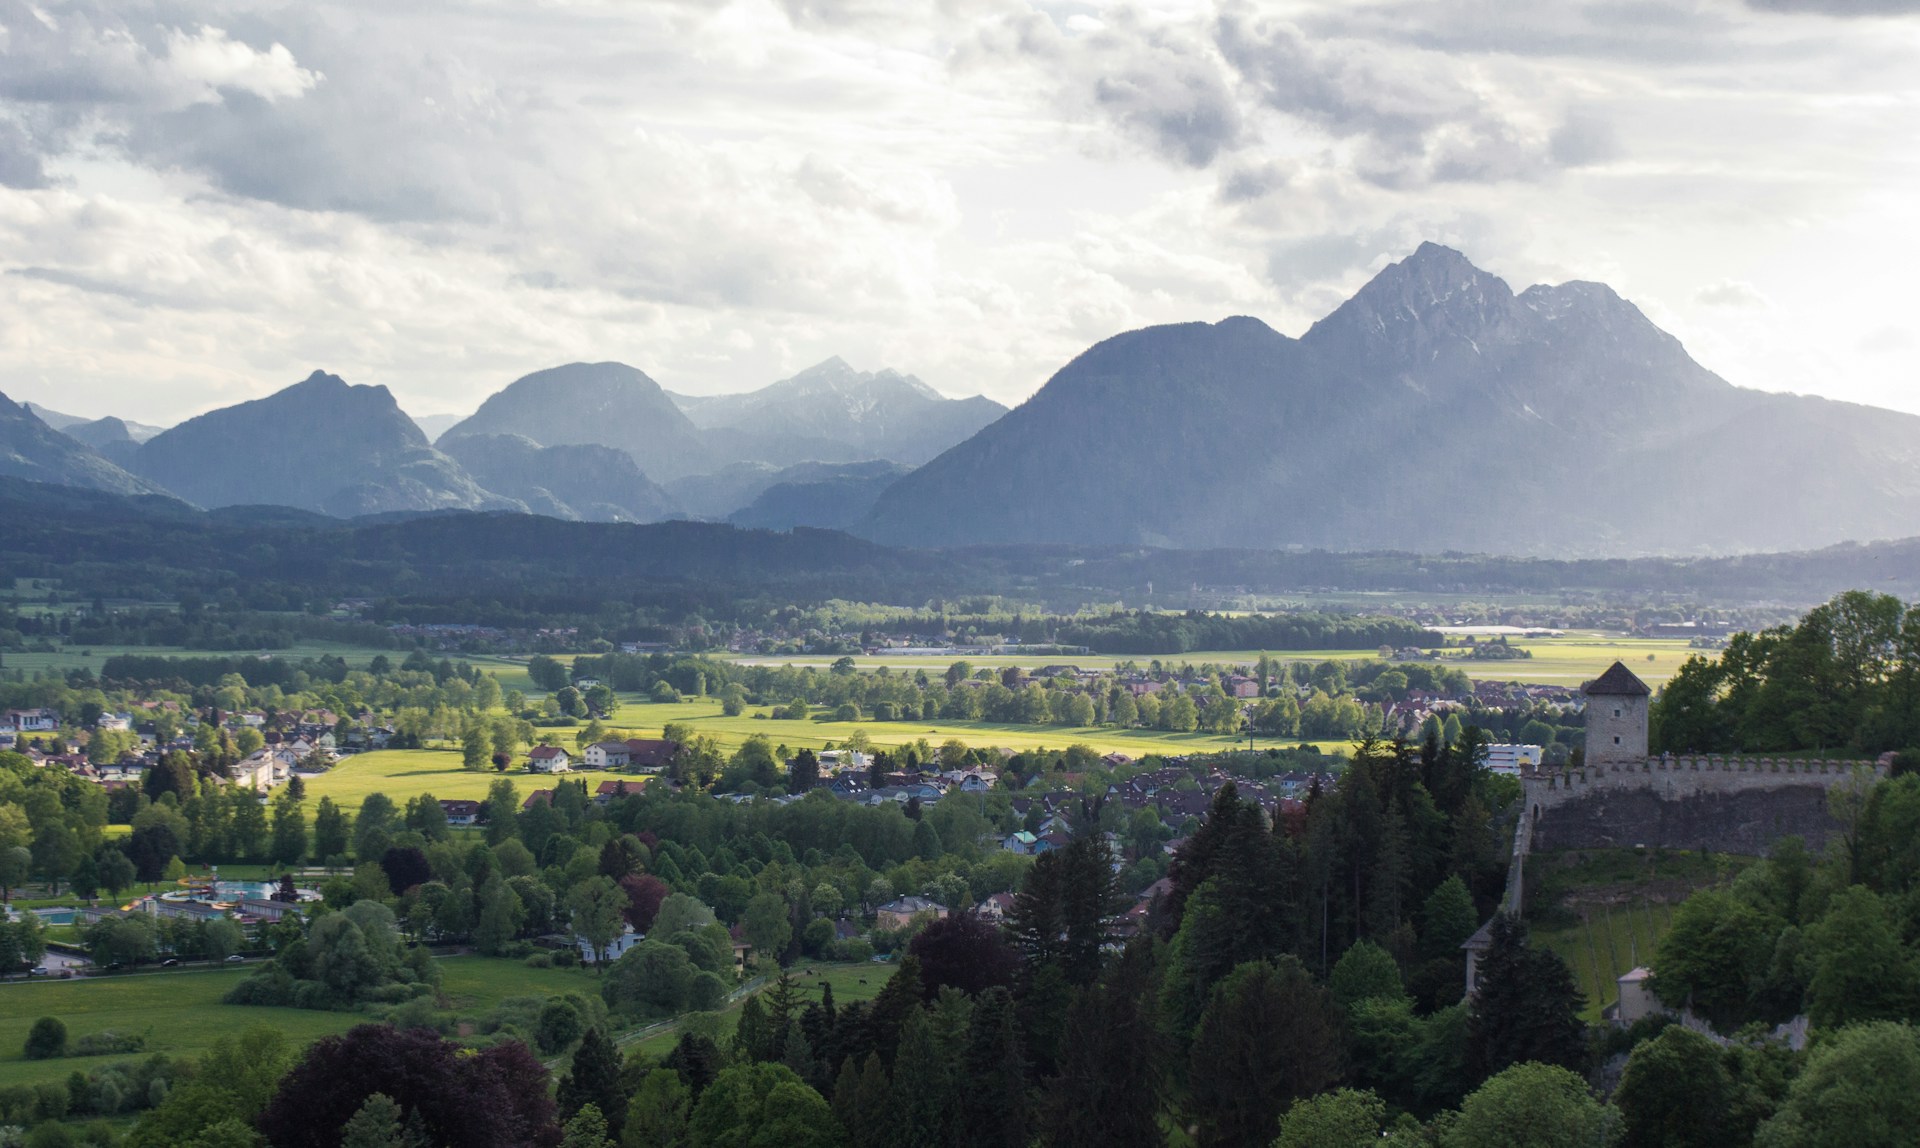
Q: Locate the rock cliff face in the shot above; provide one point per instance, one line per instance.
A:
(318, 445)
(1434, 410)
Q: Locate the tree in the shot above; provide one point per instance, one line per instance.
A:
(46, 1040)
(1860, 1089)
(1861, 971)
(645, 895)
(1526, 1007)
(289, 830)
(1268, 1037)
(1530, 1106)
(1676, 1093)
(1714, 955)
(405, 867)
(1112, 1075)
(594, 1082)
(594, 909)
(373, 828)
(500, 917)
(377, 1124)
(766, 925)
(1365, 972)
(762, 1106)
(657, 1114)
(587, 1128)
(965, 952)
(115, 871)
(331, 831)
(495, 1098)
(1343, 1118)
(803, 772)
(16, 864)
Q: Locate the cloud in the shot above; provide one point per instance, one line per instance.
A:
(1845, 8)
(1887, 340)
(207, 62)
(1731, 293)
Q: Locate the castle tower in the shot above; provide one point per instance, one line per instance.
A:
(1617, 717)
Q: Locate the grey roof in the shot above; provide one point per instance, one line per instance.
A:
(1618, 681)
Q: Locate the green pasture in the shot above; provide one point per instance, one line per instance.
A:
(857, 982)
(405, 773)
(1567, 660)
(1610, 940)
(179, 1012)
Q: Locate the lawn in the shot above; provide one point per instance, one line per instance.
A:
(860, 982)
(180, 1013)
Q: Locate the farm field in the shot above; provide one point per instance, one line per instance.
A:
(181, 1012)
(405, 773)
(861, 982)
(1567, 660)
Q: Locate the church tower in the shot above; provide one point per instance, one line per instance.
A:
(1617, 717)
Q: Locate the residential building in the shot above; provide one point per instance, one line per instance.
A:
(897, 913)
(549, 759)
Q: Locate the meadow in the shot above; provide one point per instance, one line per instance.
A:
(857, 982)
(1569, 659)
(181, 1013)
(1611, 941)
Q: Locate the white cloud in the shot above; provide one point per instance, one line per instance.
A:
(200, 203)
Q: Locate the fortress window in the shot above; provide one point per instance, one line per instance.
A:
(1616, 713)
(1616, 740)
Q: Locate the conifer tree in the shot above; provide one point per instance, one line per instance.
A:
(1112, 1078)
(594, 1079)
(1525, 1006)
(994, 1109)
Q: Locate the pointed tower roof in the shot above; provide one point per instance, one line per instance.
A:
(1618, 681)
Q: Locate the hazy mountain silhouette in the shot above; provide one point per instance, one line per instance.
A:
(318, 445)
(831, 412)
(605, 404)
(1434, 410)
(579, 483)
(31, 449)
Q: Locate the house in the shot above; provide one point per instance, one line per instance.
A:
(606, 755)
(615, 949)
(539, 796)
(32, 721)
(651, 754)
(996, 908)
(897, 913)
(612, 791)
(461, 812)
(1512, 759)
(549, 759)
(1022, 843)
(742, 951)
(118, 722)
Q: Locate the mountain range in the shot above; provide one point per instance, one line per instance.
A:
(1436, 410)
(583, 441)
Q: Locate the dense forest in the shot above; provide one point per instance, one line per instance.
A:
(1846, 677)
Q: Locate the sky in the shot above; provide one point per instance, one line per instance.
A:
(200, 203)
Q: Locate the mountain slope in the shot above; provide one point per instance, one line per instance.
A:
(831, 412)
(578, 483)
(829, 496)
(32, 450)
(318, 445)
(67, 424)
(605, 404)
(1434, 410)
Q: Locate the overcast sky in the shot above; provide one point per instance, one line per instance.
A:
(201, 202)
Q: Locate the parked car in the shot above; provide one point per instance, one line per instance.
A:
(170, 963)
(235, 959)
(39, 971)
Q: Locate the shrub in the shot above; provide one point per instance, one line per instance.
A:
(46, 1039)
(108, 1043)
(539, 961)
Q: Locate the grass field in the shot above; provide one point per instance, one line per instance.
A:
(850, 983)
(1567, 660)
(1612, 940)
(181, 1012)
(405, 773)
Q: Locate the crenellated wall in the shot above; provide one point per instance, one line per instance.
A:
(1725, 804)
